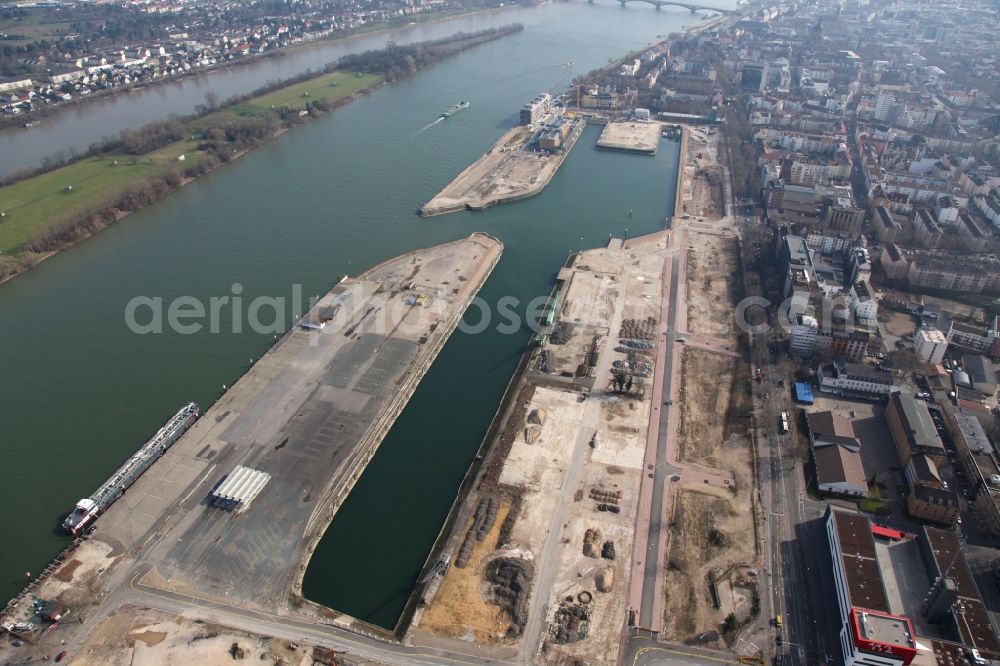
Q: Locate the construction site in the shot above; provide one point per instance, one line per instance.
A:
(700, 194)
(230, 514)
(540, 547)
(141, 635)
(510, 170)
(712, 548)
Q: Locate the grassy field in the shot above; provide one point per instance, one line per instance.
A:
(43, 203)
(35, 26)
(329, 87)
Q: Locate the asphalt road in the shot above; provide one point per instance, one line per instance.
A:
(288, 628)
(794, 540)
(657, 514)
(647, 651)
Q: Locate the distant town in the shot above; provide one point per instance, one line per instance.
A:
(53, 52)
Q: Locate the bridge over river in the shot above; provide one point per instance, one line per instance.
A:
(693, 8)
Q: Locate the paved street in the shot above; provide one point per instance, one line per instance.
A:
(646, 651)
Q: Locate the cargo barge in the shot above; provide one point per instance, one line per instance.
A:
(88, 509)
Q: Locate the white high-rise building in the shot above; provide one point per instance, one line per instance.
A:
(803, 334)
(930, 345)
(885, 103)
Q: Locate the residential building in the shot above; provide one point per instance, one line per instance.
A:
(885, 224)
(536, 109)
(912, 428)
(933, 504)
(12, 85)
(950, 275)
(864, 306)
(854, 379)
(974, 338)
(754, 77)
(802, 336)
(894, 262)
(885, 107)
(926, 229)
(930, 345)
(842, 341)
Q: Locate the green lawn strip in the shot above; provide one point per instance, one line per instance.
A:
(330, 87)
(46, 201)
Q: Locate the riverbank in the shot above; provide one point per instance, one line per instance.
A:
(55, 210)
(19, 121)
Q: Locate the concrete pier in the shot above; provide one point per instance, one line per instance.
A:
(507, 172)
(311, 413)
(631, 137)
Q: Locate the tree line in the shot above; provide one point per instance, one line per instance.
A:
(224, 136)
(395, 60)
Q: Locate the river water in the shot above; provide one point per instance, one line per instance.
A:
(80, 392)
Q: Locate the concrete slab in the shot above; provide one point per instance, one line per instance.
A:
(631, 137)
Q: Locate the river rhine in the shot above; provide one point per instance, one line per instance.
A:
(80, 392)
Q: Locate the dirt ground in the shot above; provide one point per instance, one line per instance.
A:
(711, 537)
(460, 608)
(707, 185)
(900, 324)
(710, 407)
(713, 284)
(701, 188)
(152, 638)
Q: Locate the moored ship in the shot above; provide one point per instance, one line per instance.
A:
(89, 508)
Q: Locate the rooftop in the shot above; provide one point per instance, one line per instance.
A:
(832, 428)
(884, 629)
(836, 464)
(917, 421)
(986, 465)
(971, 433)
(924, 469)
(970, 614)
(862, 372)
(936, 496)
(980, 370)
(857, 550)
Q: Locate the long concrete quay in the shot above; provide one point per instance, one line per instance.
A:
(631, 137)
(506, 172)
(311, 413)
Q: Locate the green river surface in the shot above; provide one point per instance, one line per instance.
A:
(80, 392)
